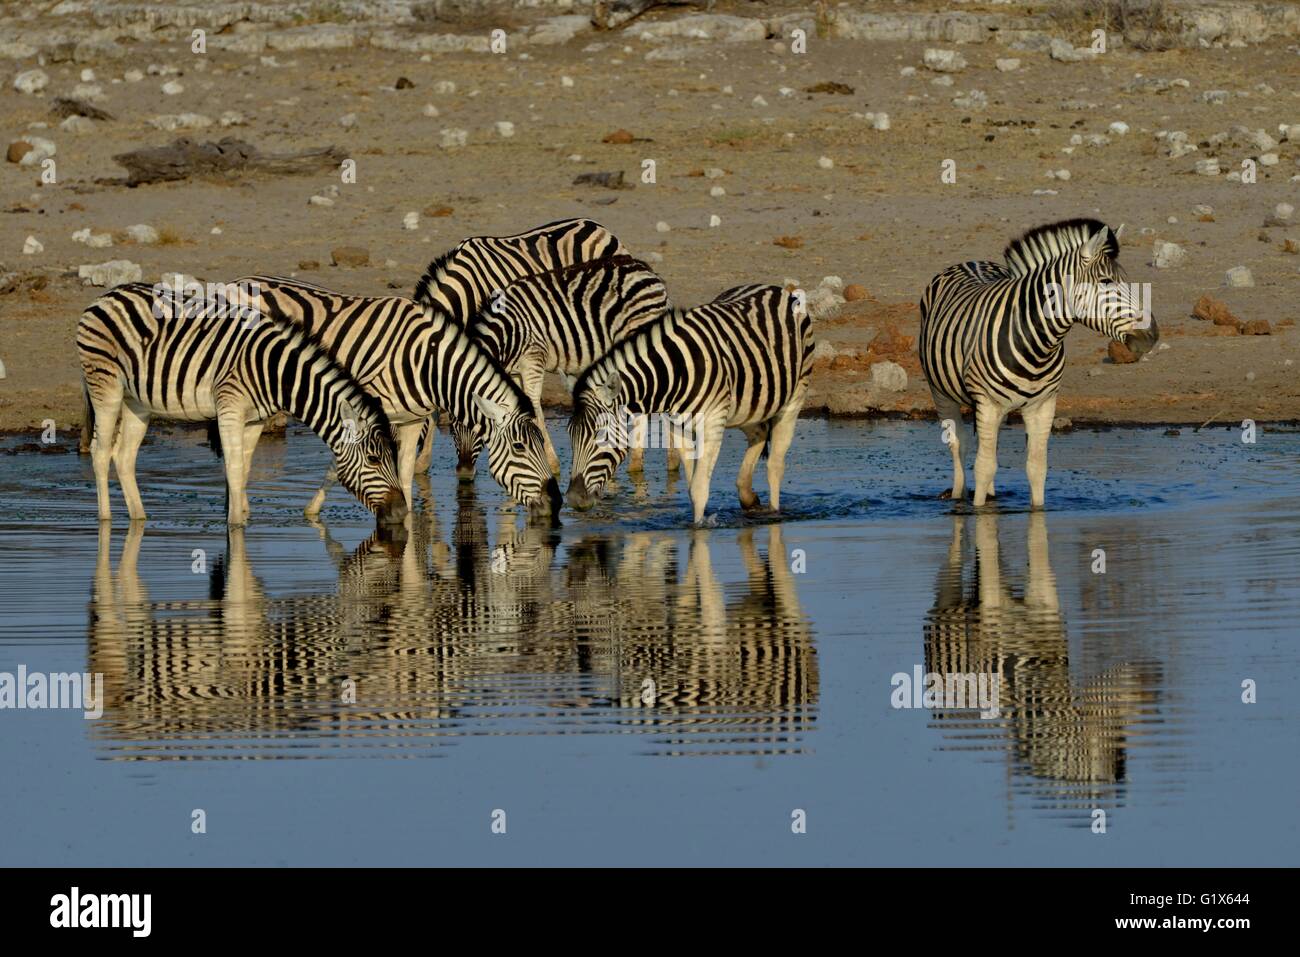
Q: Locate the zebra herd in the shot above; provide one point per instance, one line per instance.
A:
(373, 375)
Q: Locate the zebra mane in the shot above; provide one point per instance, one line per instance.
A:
(522, 397)
(435, 271)
(299, 340)
(1045, 243)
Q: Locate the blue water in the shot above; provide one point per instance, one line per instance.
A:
(631, 690)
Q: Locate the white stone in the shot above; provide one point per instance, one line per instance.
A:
(715, 221)
(348, 120)
(112, 273)
(32, 246)
(31, 81)
(888, 377)
(444, 87)
(1167, 255)
(411, 221)
(173, 88)
(826, 162)
(943, 61)
(1239, 277)
(1008, 65)
(321, 201)
(453, 138)
(1268, 159)
(717, 192)
(1217, 97)
(78, 125)
(505, 128)
(1208, 167)
(133, 76)
(143, 233)
(171, 122)
(759, 101)
(1119, 128)
(662, 227)
(712, 172)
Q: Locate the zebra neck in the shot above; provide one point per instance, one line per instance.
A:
(459, 370)
(1044, 319)
(315, 392)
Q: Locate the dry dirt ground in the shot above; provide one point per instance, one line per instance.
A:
(879, 216)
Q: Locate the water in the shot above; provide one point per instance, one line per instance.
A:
(630, 690)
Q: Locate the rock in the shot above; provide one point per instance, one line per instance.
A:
(32, 246)
(557, 30)
(662, 227)
(823, 351)
(1268, 159)
(411, 221)
(712, 172)
(788, 242)
(112, 273)
(971, 100)
(31, 81)
(403, 84)
(1120, 353)
(717, 27)
(321, 201)
(1200, 209)
(609, 180)
(825, 162)
(453, 138)
(171, 122)
(1062, 423)
(437, 211)
(173, 88)
(350, 256)
(1008, 65)
(430, 110)
(77, 125)
(943, 80)
(1209, 309)
(888, 376)
(1257, 327)
(830, 86)
(943, 61)
(1166, 255)
(17, 150)
(717, 192)
(505, 129)
(619, 137)
(348, 120)
(94, 240)
(853, 292)
(1119, 128)
(1068, 53)
(1260, 140)
(1239, 277)
(1281, 215)
(1217, 97)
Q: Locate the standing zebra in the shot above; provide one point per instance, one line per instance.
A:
(739, 363)
(416, 360)
(993, 337)
(144, 353)
(562, 321)
(463, 279)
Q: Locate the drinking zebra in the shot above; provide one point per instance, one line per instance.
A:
(993, 335)
(416, 361)
(463, 279)
(562, 321)
(145, 353)
(740, 363)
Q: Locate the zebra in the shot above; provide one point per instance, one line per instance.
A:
(463, 279)
(416, 360)
(145, 352)
(563, 321)
(992, 337)
(741, 363)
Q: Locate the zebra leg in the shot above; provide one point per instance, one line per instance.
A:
(532, 376)
(950, 411)
(756, 435)
(1038, 428)
(988, 419)
(107, 409)
(230, 423)
(425, 458)
(252, 433)
(637, 442)
(135, 422)
(1040, 589)
(708, 445)
(408, 448)
(782, 435)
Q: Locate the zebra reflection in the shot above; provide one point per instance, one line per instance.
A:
(1066, 734)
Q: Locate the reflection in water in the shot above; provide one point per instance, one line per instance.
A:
(425, 640)
(1065, 734)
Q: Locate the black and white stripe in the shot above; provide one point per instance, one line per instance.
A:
(562, 321)
(465, 279)
(992, 336)
(417, 360)
(740, 363)
(144, 353)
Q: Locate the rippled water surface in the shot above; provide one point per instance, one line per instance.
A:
(629, 690)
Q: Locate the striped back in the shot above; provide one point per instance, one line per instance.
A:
(463, 279)
(183, 357)
(741, 359)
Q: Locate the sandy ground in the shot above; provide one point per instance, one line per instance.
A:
(879, 217)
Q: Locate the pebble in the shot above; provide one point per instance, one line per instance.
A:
(712, 172)
(717, 191)
(133, 76)
(566, 81)
(430, 110)
(1119, 128)
(112, 273)
(173, 88)
(321, 201)
(445, 87)
(826, 162)
(715, 221)
(1239, 277)
(348, 120)
(1268, 159)
(453, 138)
(943, 61)
(662, 227)
(94, 240)
(411, 221)
(32, 246)
(31, 81)
(1007, 65)
(1208, 167)
(143, 234)
(1167, 255)
(759, 101)
(888, 376)
(1217, 97)
(78, 125)
(505, 128)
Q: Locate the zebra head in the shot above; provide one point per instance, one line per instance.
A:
(469, 443)
(598, 437)
(517, 456)
(1100, 295)
(366, 463)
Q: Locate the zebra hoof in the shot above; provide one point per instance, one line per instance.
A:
(946, 494)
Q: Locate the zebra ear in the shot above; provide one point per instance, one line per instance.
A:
(1119, 232)
(609, 389)
(495, 412)
(1096, 243)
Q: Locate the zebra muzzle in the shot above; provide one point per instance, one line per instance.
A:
(392, 511)
(579, 498)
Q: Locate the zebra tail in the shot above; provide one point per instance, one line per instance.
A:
(87, 421)
(214, 438)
